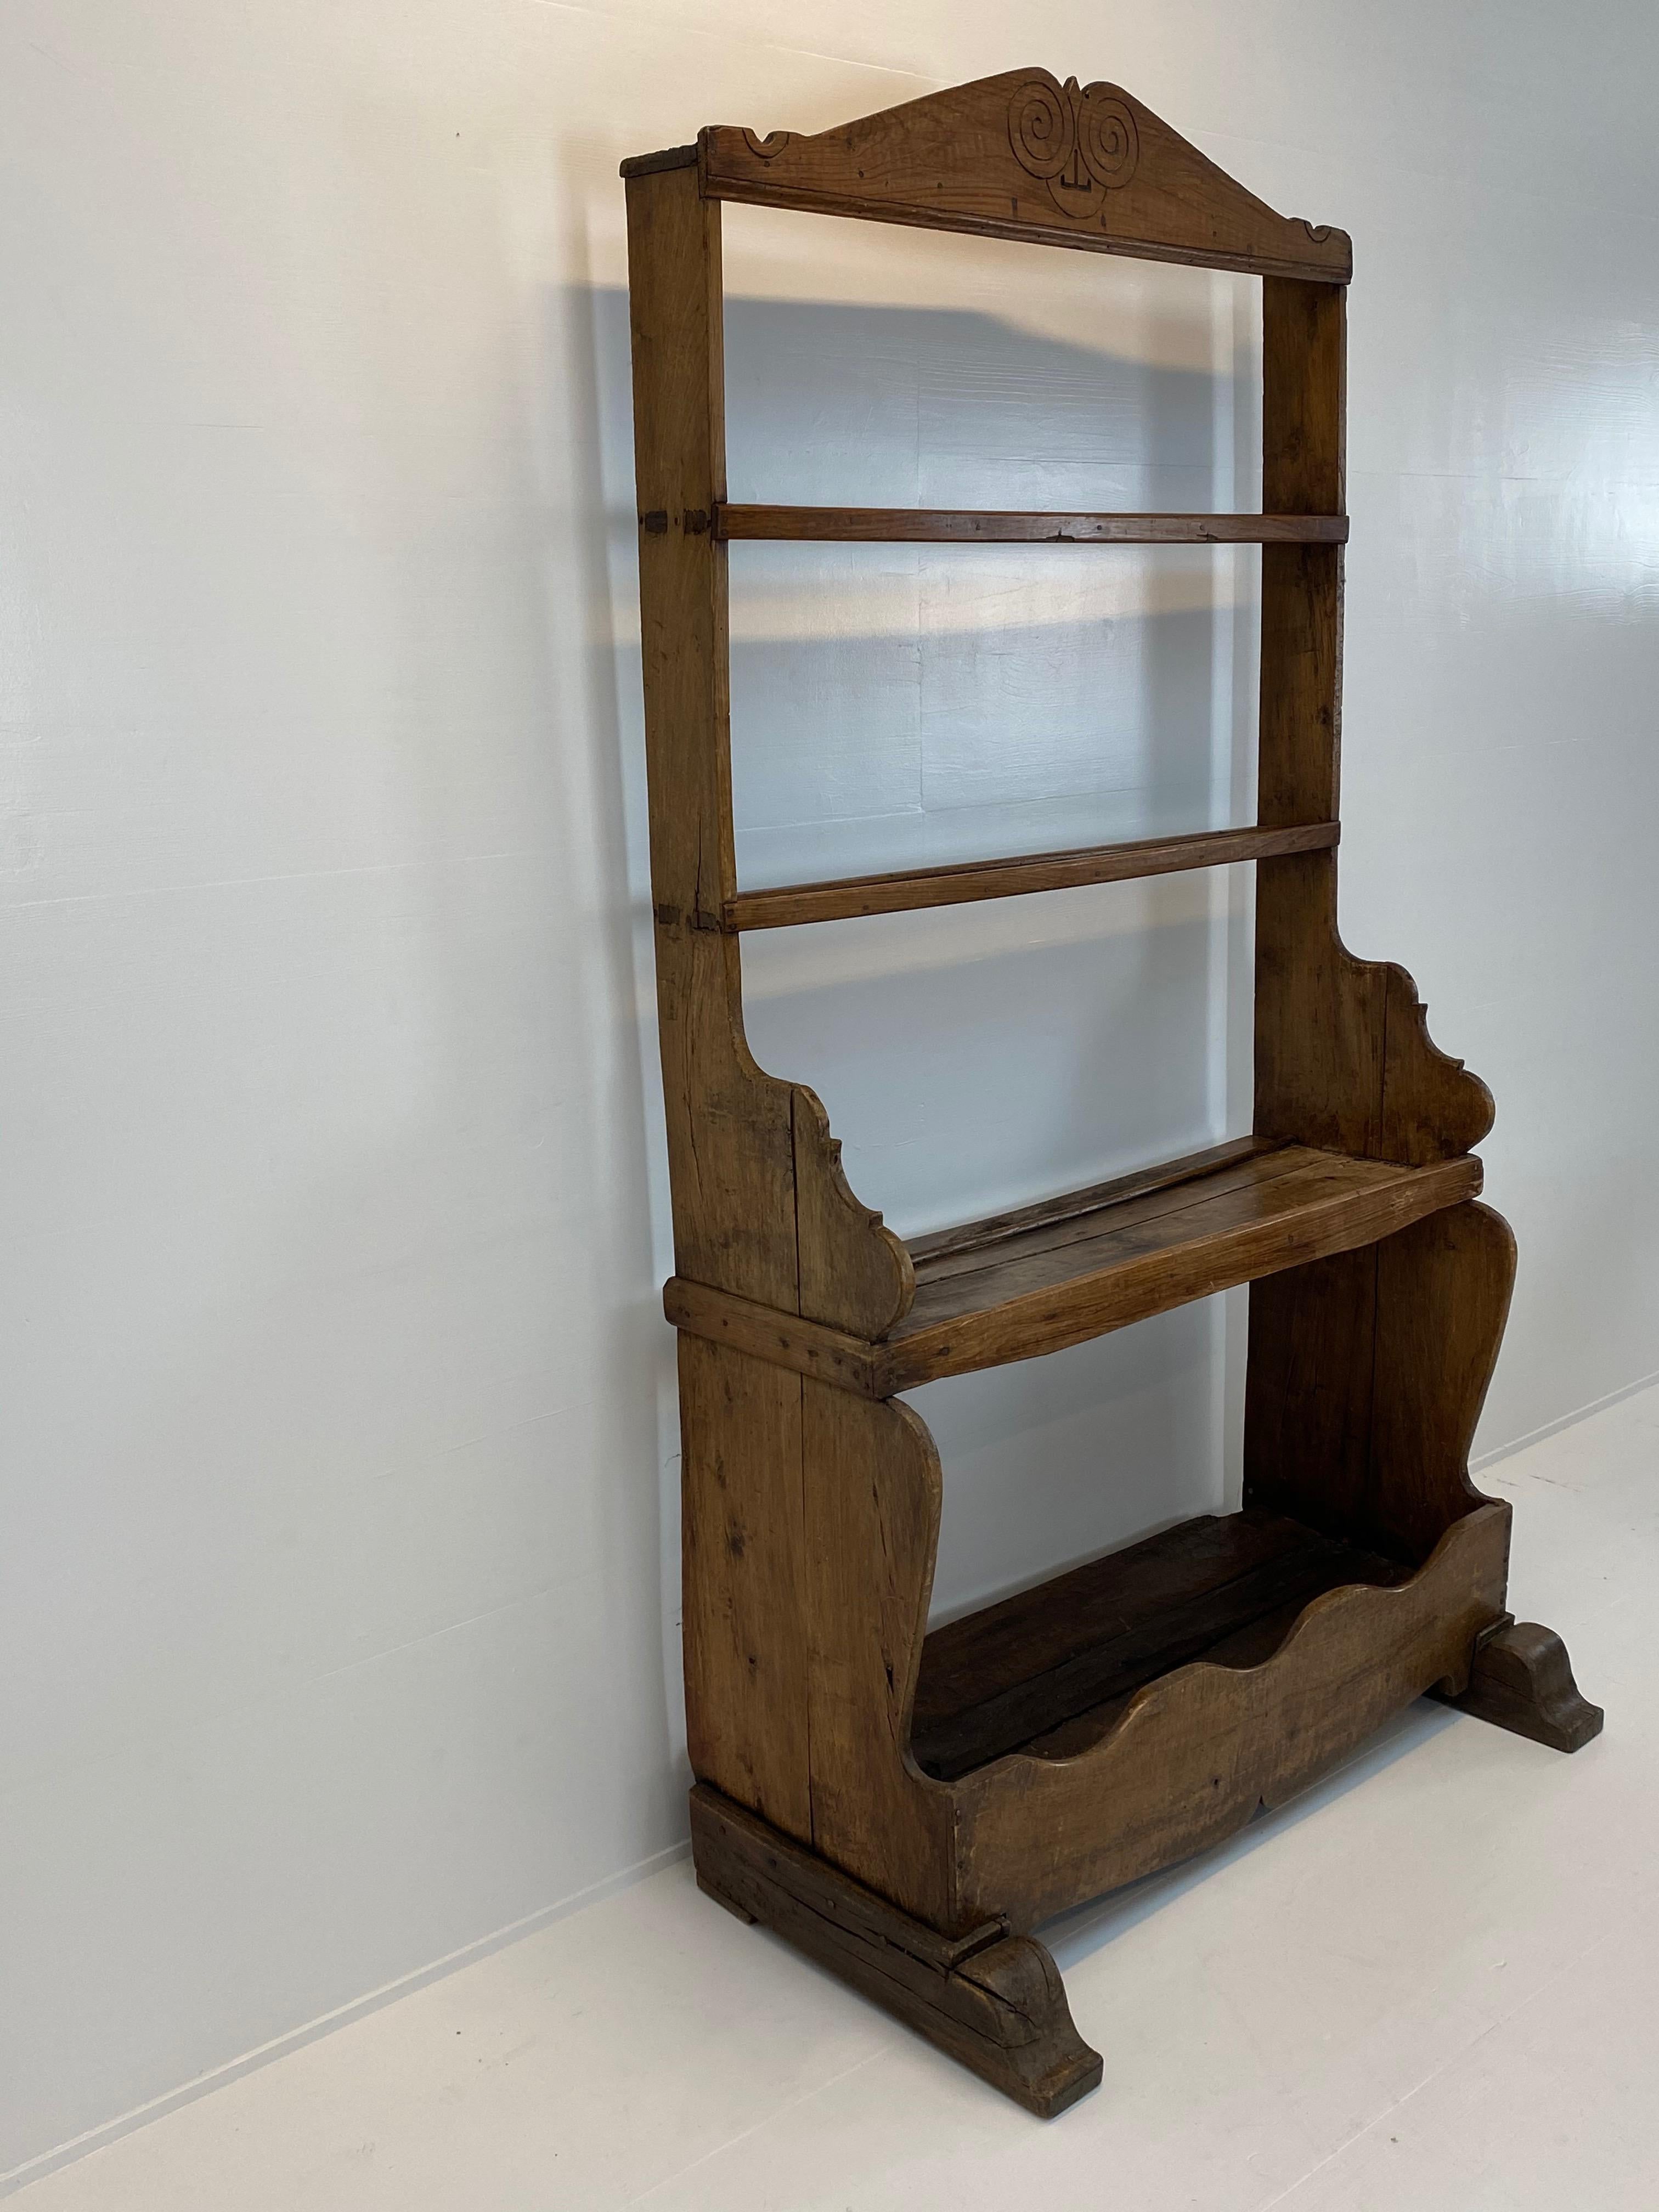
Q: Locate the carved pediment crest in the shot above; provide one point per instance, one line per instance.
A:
(1081, 144)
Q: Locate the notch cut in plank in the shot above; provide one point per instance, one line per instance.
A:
(953, 526)
(963, 883)
(999, 1679)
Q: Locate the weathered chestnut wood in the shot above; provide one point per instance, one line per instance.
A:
(907, 890)
(906, 1808)
(1010, 1675)
(950, 525)
(1197, 1751)
(743, 1581)
(992, 2001)
(748, 1156)
(1166, 1175)
(1022, 156)
(1073, 1274)
(1050, 1288)
(1522, 1679)
(781, 1340)
(873, 1495)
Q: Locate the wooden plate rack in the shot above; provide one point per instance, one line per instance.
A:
(908, 1807)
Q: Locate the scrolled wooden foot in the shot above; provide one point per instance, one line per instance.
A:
(994, 2000)
(1522, 1679)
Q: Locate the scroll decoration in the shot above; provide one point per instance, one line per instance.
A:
(1082, 144)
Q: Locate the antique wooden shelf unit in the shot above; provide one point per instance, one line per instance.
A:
(906, 1806)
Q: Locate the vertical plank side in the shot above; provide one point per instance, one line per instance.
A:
(1443, 1298)
(731, 1150)
(731, 1147)
(1320, 1024)
(742, 1557)
(1319, 1014)
(1308, 1394)
(873, 1499)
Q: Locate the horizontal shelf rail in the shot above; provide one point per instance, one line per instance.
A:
(966, 881)
(966, 526)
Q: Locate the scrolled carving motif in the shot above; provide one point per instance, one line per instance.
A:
(1042, 126)
(1082, 144)
(1106, 137)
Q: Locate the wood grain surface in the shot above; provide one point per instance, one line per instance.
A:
(907, 890)
(1023, 155)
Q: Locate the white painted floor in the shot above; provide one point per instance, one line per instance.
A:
(1430, 1983)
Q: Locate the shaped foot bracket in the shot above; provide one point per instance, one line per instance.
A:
(992, 2001)
(1522, 1679)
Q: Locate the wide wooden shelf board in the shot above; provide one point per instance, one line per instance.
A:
(1018, 1284)
(906, 890)
(1051, 1670)
(1021, 1287)
(947, 525)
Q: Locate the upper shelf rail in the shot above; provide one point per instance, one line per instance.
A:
(1021, 155)
(966, 881)
(953, 526)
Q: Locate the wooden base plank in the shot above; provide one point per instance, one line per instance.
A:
(992, 2001)
(1522, 1679)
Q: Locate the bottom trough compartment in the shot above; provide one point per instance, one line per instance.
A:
(1050, 1670)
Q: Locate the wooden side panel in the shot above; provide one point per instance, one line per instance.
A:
(1366, 1379)
(854, 1273)
(1343, 1056)
(873, 1493)
(1431, 1105)
(1319, 1033)
(1022, 156)
(1196, 1752)
(742, 1553)
(1308, 1393)
(1443, 1298)
(731, 1151)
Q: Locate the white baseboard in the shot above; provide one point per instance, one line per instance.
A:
(78, 2146)
(1566, 1421)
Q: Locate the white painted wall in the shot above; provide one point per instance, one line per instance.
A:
(337, 1430)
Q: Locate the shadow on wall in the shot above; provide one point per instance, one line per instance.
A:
(898, 705)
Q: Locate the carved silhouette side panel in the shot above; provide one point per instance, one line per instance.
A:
(1348, 1380)
(1367, 1375)
(761, 1206)
(872, 1500)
